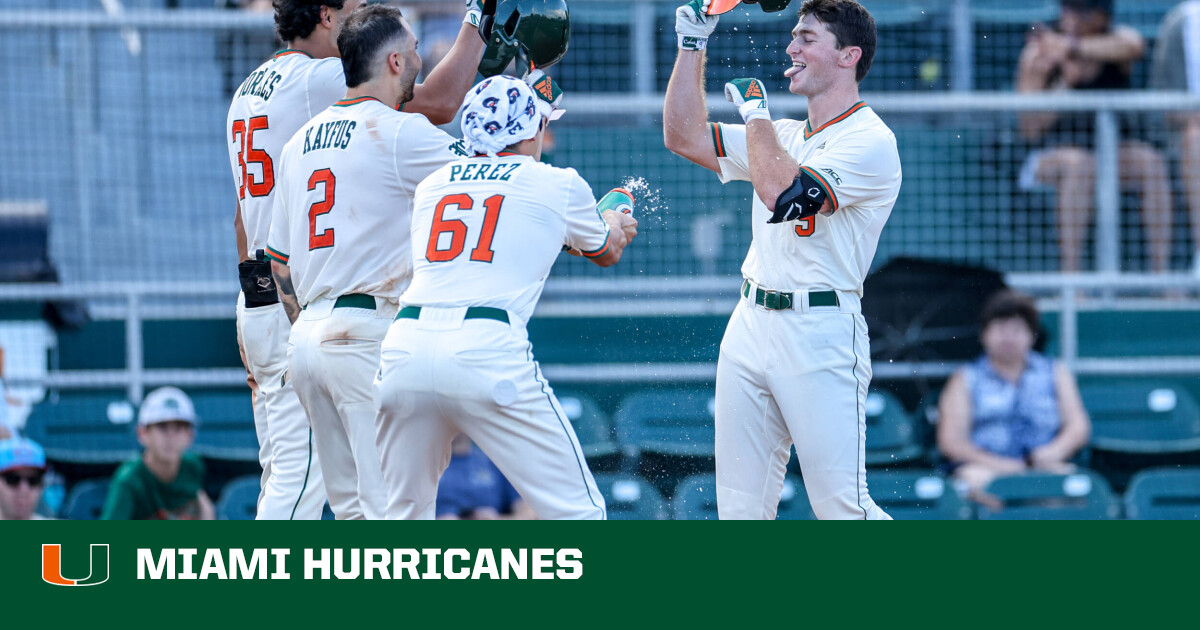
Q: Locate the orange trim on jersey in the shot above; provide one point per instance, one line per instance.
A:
(809, 131)
(276, 255)
(824, 183)
(346, 102)
(718, 140)
(599, 252)
(291, 51)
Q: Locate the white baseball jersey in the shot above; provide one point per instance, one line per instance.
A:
(486, 231)
(344, 204)
(854, 158)
(271, 104)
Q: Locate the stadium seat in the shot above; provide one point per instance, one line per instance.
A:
(628, 498)
(916, 496)
(891, 438)
(86, 500)
(226, 428)
(696, 499)
(239, 499)
(1164, 494)
(677, 422)
(1080, 496)
(1144, 417)
(85, 428)
(592, 425)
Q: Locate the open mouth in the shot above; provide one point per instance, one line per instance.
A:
(797, 68)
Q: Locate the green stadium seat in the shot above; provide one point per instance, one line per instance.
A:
(916, 496)
(696, 499)
(676, 422)
(592, 425)
(86, 500)
(239, 499)
(226, 428)
(891, 437)
(1080, 496)
(628, 498)
(1164, 494)
(1142, 417)
(85, 428)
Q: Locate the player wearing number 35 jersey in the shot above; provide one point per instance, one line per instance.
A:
(340, 245)
(486, 231)
(795, 361)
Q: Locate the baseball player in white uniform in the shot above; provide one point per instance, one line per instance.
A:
(269, 107)
(486, 231)
(795, 361)
(340, 245)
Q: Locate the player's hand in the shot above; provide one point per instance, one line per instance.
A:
(750, 98)
(549, 95)
(475, 12)
(694, 25)
(629, 226)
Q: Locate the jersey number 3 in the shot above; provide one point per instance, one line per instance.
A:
(243, 132)
(458, 230)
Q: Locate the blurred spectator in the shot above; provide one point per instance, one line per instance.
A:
(1013, 409)
(22, 473)
(165, 483)
(1085, 51)
(473, 488)
(1177, 67)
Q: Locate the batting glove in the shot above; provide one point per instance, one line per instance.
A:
(694, 25)
(750, 98)
(550, 96)
(476, 9)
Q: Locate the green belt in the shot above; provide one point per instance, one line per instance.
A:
(782, 300)
(355, 300)
(473, 312)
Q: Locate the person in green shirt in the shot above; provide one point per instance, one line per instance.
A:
(165, 483)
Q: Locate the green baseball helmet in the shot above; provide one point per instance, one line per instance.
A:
(534, 32)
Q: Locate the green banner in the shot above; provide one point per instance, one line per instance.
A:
(614, 573)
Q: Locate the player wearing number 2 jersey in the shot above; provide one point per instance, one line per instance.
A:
(340, 245)
(274, 101)
(486, 231)
(795, 361)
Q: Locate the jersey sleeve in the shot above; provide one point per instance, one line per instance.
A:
(326, 85)
(861, 168)
(278, 247)
(729, 141)
(586, 230)
(421, 149)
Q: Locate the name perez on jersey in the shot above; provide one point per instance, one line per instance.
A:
(330, 135)
(260, 84)
(491, 172)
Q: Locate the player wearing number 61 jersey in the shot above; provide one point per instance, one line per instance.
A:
(340, 245)
(486, 231)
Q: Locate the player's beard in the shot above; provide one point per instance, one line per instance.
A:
(408, 83)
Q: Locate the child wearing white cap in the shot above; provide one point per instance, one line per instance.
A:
(166, 482)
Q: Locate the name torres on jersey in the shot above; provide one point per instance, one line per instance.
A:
(330, 135)
(260, 83)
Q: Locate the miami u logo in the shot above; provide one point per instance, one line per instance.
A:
(52, 567)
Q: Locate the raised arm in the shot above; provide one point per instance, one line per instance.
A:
(685, 114)
(441, 94)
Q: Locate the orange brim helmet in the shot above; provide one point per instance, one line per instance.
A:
(717, 7)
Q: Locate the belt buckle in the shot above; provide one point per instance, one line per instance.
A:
(767, 293)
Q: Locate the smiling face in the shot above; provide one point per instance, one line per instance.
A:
(816, 59)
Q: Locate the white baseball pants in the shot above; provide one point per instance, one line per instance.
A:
(442, 374)
(334, 355)
(796, 376)
(292, 487)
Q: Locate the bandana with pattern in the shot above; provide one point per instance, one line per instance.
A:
(498, 112)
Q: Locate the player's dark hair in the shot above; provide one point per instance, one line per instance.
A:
(368, 31)
(850, 23)
(296, 19)
(1007, 304)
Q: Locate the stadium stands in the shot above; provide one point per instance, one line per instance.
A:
(917, 495)
(86, 500)
(1139, 416)
(1164, 494)
(85, 428)
(239, 499)
(891, 437)
(1084, 495)
(629, 498)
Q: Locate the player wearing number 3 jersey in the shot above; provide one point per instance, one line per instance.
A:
(795, 361)
(340, 245)
(486, 231)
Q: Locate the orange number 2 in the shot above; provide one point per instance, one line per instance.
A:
(325, 238)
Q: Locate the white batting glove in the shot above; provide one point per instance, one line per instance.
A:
(750, 98)
(474, 13)
(694, 25)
